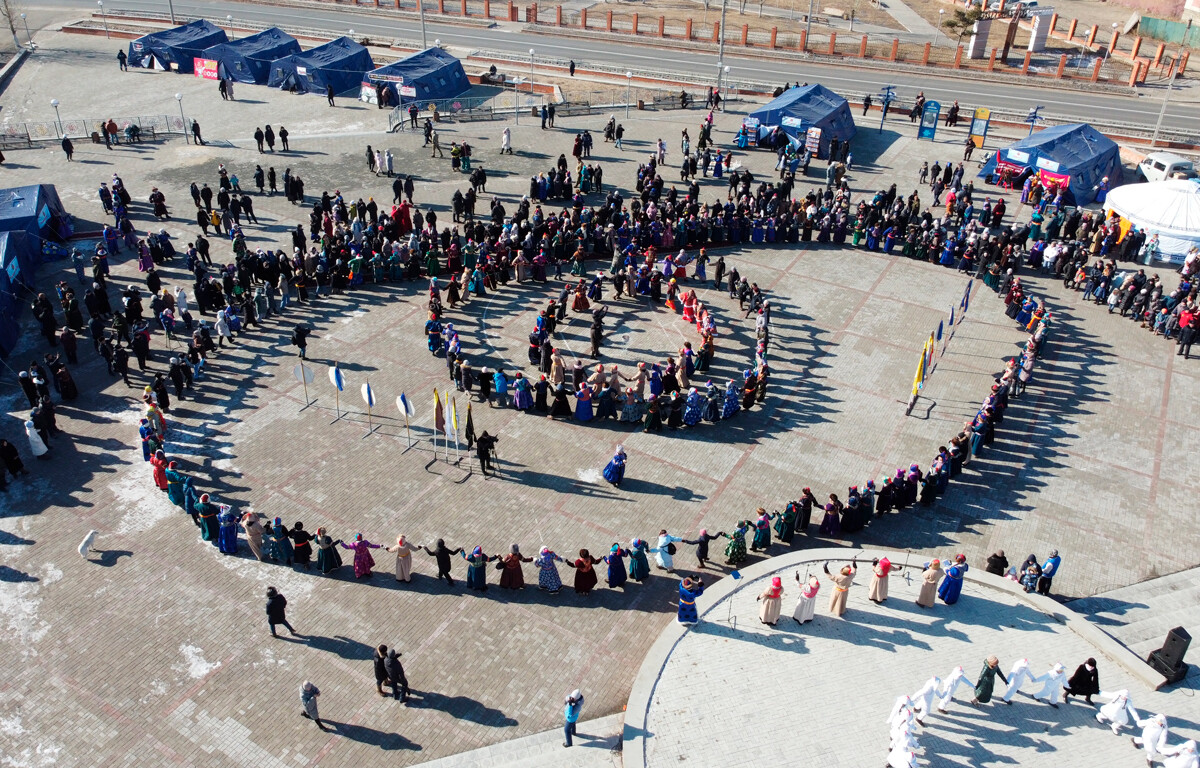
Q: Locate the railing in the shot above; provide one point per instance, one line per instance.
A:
(55, 130)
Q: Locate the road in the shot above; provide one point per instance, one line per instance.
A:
(1134, 110)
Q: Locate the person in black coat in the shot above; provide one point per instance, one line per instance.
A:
(277, 611)
(442, 554)
(396, 677)
(1085, 682)
(997, 563)
(381, 674)
(701, 543)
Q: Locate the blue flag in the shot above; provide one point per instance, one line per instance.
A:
(735, 575)
(951, 317)
(967, 299)
(939, 330)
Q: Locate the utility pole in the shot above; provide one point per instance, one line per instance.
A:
(421, 13)
(1162, 111)
(171, 8)
(721, 43)
(808, 23)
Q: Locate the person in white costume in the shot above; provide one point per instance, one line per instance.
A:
(662, 551)
(1053, 684)
(957, 678)
(1181, 756)
(924, 698)
(1154, 736)
(1118, 711)
(1017, 676)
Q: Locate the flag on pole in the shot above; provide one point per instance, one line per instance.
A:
(439, 419)
(966, 302)
(454, 415)
(930, 346)
(470, 430)
(406, 406)
(939, 330)
(919, 378)
(952, 317)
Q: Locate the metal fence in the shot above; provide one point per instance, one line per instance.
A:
(55, 130)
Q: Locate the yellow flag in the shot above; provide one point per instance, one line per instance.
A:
(919, 379)
(454, 413)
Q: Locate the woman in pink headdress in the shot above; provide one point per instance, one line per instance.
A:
(771, 601)
(882, 568)
(403, 549)
(363, 562)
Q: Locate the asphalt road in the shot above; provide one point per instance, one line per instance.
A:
(1141, 111)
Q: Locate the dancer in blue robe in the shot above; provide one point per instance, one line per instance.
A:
(615, 471)
(615, 559)
(639, 565)
(583, 404)
(952, 583)
(732, 400)
(693, 410)
(227, 537)
(689, 590)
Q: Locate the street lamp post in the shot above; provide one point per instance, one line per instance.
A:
(57, 117)
(725, 71)
(1162, 111)
(721, 42)
(350, 34)
(229, 23)
(171, 8)
(531, 93)
(421, 13)
(628, 92)
(1108, 50)
(179, 98)
(938, 30)
(103, 18)
(28, 36)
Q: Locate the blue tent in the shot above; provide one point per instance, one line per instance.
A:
(803, 107)
(19, 260)
(175, 48)
(340, 63)
(249, 60)
(428, 75)
(35, 209)
(1077, 152)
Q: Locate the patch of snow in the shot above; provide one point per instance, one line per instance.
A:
(194, 662)
(589, 475)
(146, 505)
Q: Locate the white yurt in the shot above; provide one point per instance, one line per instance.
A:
(1170, 209)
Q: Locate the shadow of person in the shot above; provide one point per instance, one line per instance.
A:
(109, 557)
(341, 646)
(13, 576)
(372, 736)
(461, 707)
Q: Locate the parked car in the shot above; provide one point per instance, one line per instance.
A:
(1159, 166)
(1019, 8)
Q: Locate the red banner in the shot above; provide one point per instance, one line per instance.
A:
(205, 68)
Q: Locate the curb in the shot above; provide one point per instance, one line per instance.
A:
(10, 69)
(642, 693)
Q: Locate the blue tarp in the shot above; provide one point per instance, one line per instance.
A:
(803, 107)
(175, 48)
(35, 209)
(340, 63)
(249, 60)
(19, 260)
(432, 74)
(1077, 150)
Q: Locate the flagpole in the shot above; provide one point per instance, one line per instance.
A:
(445, 437)
(337, 405)
(407, 434)
(454, 421)
(305, 383)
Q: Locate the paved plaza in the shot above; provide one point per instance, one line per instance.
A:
(156, 649)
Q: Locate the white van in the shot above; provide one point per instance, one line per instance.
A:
(1159, 166)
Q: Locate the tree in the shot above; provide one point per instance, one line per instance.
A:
(10, 12)
(959, 24)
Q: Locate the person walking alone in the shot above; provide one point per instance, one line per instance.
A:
(571, 710)
(277, 614)
(308, 700)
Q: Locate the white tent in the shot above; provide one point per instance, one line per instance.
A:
(1170, 209)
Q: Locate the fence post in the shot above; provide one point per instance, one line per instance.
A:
(687, 30)
(925, 55)
(633, 30)
(992, 61)
(1062, 66)
(512, 10)
(1091, 38)
(464, 9)
(397, 5)
(1133, 76)
(583, 18)
(662, 26)
(557, 15)
(533, 9)
(895, 48)
(832, 43)
(716, 31)
(1053, 22)
(441, 6)
(1025, 64)
(1137, 46)
(1071, 29)
(487, 8)
(862, 48)
(1183, 60)
(745, 34)
(1112, 44)
(609, 27)
(804, 40)
(958, 57)
(1096, 71)
(1158, 54)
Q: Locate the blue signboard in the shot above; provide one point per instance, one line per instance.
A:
(929, 120)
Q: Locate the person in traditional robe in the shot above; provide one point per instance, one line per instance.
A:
(923, 699)
(987, 681)
(254, 534)
(701, 544)
(771, 602)
(227, 536)
(957, 679)
(1085, 682)
(328, 558)
(158, 463)
(654, 422)
(732, 401)
(663, 550)
(207, 512)
(477, 568)
(548, 578)
(175, 482)
(951, 586)
(831, 524)
(585, 572)
(283, 542)
(762, 531)
(806, 604)
(881, 569)
(301, 544)
(614, 471)
(615, 560)
(561, 409)
(363, 562)
(404, 564)
(1154, 737)
(583, 404)
(785, 523)
(929, 583)
(639, 563)
(842, 581)
(442, 554)
(1119, 711)
(689, 590)
(735, 550)
(511, 575)
(693, 410)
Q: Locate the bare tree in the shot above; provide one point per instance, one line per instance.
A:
(960, 24)
(10, 11)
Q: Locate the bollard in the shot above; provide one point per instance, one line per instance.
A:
(1062, 66)
(1025, 64)
(1096, 71)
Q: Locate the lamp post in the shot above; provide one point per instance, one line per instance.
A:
(28, 36)
(421, 13)
(628, 92)
(437, 43)
(938, 30)
(171, 8)
(179, 98)
(350, 34)
(721, 42)
(726, 71)
(229, 23)
(58, 117)
(103, 18)
(1162, 111)
(531, 72)
(1108, 50)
